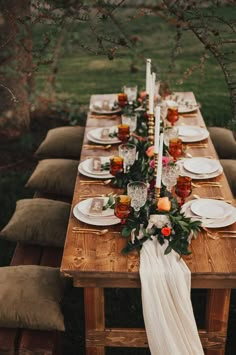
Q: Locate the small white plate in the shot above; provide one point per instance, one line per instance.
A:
(210, 223)
(210, 208)
(95, 136)
(192, 133)
(100, 221)
(93, 175)
(201, 165)
(88, 166)
(97, 107)
(84, 208)
(184, 172)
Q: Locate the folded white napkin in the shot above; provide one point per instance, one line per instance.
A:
(167, 309)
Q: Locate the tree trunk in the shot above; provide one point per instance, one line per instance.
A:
(15, 67)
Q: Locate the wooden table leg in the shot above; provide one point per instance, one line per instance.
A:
(217, 314)
(94, 319)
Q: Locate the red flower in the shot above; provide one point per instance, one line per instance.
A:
(166, 231)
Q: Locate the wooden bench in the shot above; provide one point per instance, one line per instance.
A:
(26, 341)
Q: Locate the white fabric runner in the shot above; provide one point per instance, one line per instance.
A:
(167, 308)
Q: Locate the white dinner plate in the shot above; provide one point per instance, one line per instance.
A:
(88, 166)
(210, 223)
(192, 133)
(98, 107)
(95, 136)
(201, 165)
(84, 208)
(105, 221)
(184, 172)
(210, 208)
(184, 106)
(187, 106)
(93, 175)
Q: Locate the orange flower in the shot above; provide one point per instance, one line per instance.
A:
(164, 204)
(166, 231)
(150, 151)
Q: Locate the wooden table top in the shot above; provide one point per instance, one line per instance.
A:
(96, 261)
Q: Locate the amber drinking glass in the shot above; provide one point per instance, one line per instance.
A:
(175, 148)
(116, 165)
(123, 133)
(122, 99)
(172, 115)
(122, 207)
(183, 188)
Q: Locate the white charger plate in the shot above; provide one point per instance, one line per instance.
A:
(93, 175)
(88, 166)
(84, 208)
(201, 165)
(104, 221)
(183, 108)
(97, 107)
(210, 223)
(192, 133)
(210, 208)
(184, 172)
(95, 136)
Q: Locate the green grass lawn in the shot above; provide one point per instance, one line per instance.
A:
(82, 74)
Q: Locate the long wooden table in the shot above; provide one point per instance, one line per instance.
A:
(95, 262)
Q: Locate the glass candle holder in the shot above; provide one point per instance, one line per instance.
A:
(122, 207)
(123, 132)
(130, 120)
(122, 99)
(183, 188)
(116, 165)
(175, 148)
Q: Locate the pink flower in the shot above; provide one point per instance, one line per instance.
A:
(150, 151)
(165, 161)
(152, 163)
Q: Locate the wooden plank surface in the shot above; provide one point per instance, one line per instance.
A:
(96, 261)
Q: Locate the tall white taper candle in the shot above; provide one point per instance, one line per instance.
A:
(159, 166)
(157, 129)
(148, 75)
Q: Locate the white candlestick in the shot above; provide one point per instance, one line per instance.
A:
(157, 129)
(148, 74)
(151, 93)
(159, 166)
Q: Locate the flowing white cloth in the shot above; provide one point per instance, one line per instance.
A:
(167, 308)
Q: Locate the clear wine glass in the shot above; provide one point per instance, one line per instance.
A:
(128, 153)
(131, 120)
(137, 190)
(131, 92)
(169, 133)
(169, 176)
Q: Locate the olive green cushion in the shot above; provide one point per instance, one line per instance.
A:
(38, 221)
(61, 142)
(30, 297)
(55, 176)
(224, 142)
(229, 166)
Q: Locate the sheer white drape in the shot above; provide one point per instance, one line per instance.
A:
(167, 308)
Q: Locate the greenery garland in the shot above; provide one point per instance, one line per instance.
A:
(177, 229)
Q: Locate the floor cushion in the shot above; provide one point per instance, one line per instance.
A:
(55, 176)
(30, 297)
(224, 142)
(62, 142)
(38, 221)
(229, 166)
